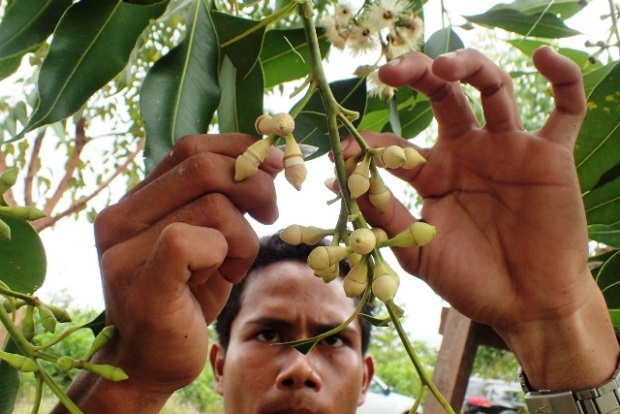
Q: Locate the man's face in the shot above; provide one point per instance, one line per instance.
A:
(285, 302)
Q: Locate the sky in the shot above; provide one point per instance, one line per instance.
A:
(73, 263)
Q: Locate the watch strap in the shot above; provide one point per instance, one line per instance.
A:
(604, 399)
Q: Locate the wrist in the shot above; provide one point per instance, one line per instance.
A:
(577, 351)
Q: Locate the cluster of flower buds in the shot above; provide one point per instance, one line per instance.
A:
(110, 372)
(325, 260)
(365, 179)
(387, 25)
(280, 125)
(7, 180)
(49, 316)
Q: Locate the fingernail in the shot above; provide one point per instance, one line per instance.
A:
(449, 55)
(394, 62)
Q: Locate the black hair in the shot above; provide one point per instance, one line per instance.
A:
(273, 250)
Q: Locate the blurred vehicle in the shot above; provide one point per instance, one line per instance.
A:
(493, 397)
(380, 399)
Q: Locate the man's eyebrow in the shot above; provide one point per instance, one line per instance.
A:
(318, 329)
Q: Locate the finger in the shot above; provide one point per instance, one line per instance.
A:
(495, 86)
(199, 174)
(569, 96)
(448, 101)
(213, 211)
(212, 295)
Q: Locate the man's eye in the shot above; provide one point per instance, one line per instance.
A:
(333, 341)
(269, 336)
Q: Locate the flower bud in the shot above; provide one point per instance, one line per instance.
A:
(19, 362)
(354, 258)
(246, 164)
(12, 304)
(65, 363)
(378, 193)
(358, 182)
(263, 124)
(100, 341)
(106, 371)
(294, 168)
(362, 241)
(291, 235)
(393, 156)
(8, 179)
(283, 124)
(296, 234)
(413, 158)
(356, 280)
(417, 234)
(60, 314)
(380, 234)
(22, 213)
(328, 274)
(323, 257)
(349, 165)
(27, 328)
(385, 287)
(47, 318)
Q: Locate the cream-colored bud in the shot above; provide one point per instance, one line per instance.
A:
(352, 288)
(378, 193)
(362, 241)
(246, 164)
(106, 371)
(393, 156)
(294, 166)
(417, 234)
(292, 235)
(312, 235)
(283, 124)
(413, 158)
(263, 124)
(358, 182)
(380, 234)
(323, 257)
(354, 258)
(328, 274)
(385, 286)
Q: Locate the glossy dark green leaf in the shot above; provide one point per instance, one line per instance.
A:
(9, 382)
(23, 257)
(547, 25)
(241, 40)
(305, 347)
(609, 235)
(442, 41)
(580, 57)
(285, 55)
(311, 123)
(26, 24)
(563, 8)
(242, 99)
(597, 154)
(615, 317)
(91, 44)
(97, 324)
(374, 321)
(181, 91)
(608, 279)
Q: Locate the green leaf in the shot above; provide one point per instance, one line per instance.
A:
(442, 41)
(547, 25)
(242, 99)
(563, 8)
(374, 321)
(311, 123)
(609, 235)
(181, 91)
(580, 57)
(241, 40)
(90, 46)
(608, 280)
(23, 257)
(9, 381)
(285, 55)
(597, 152)
(615, 317)
(26, 24)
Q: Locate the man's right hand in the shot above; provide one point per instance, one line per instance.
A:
(169, 253)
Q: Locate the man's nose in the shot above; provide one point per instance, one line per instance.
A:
(298, 371)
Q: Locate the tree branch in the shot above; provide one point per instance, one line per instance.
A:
(46, 222)
(33, 167)
(72, 164)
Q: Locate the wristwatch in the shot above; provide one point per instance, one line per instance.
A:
(604, 399)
